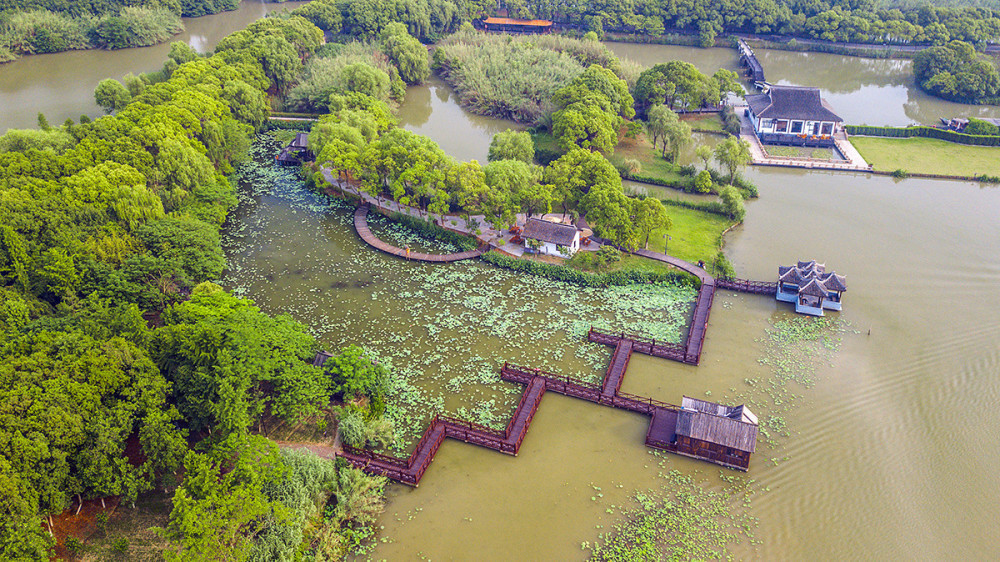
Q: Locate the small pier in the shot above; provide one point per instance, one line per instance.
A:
(365, 232)
(754, 71)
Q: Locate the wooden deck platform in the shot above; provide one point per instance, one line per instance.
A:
(662, 433)
(365, 232)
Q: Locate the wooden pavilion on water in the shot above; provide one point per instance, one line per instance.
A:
(726, 435)
(810, 287)
(512, 25)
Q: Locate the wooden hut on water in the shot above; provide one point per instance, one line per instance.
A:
(726, 435)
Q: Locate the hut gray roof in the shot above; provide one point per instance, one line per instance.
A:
(729, 426)
(545, 231)
(792, 102)
(301, 141)
(813, 288)
(834, 282)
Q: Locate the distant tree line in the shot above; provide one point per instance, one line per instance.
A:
(51, 26)
(867, 21)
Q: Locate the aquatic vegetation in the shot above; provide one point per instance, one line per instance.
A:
(683, 520)
(444, 330)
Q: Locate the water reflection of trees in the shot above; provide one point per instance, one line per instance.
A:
(834, 73)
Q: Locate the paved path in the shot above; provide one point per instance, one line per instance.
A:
(361, 225)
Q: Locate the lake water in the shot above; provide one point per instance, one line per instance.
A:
(889, 453)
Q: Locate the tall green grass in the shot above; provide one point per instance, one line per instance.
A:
(42, 31)
(515, 77)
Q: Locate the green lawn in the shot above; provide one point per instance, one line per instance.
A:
(653, 164)
(800, 152)
(710, 122)
(694, 235)
(928, 156)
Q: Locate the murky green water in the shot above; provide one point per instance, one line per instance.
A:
(61, 85)
(862, 91)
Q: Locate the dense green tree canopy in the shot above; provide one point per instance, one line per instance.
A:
(956, 72)
(512, 145)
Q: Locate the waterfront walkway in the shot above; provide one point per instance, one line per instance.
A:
(361, 225)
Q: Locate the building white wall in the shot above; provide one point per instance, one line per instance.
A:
(553, 250)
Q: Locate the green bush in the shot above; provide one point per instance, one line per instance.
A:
(923, 131)
(430, 230)
(577, 277)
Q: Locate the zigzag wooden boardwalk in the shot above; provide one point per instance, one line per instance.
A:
(365, 232)
(662, 428)
(411, 470)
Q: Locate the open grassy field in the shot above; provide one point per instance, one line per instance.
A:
(694, 235)
(653, 164)
(928, 156)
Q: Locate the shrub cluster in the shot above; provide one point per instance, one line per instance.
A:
(923, 131)
(430, 230)
(584, 279)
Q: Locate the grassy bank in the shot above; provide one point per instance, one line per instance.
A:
(928, 156)
(709, 123)
(695, 234)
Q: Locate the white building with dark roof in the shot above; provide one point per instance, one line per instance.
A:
(794, 115)
(555, 239)
(810, 287)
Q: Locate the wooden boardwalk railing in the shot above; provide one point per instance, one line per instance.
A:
(747, 286)
(365, 232)
(411, 470)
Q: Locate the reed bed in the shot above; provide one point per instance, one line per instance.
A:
(515, 77)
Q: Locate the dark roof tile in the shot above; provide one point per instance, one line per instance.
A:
(792, 102)
(545, 231)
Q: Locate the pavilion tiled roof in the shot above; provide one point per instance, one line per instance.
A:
(513, 21)
(813, 288)
(834, 282)
(792, 102)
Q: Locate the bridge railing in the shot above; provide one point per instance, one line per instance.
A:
(367, 455)
(599, 336)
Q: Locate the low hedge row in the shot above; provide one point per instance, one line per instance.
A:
(582, 278)
(430, 230)
(923, 131)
